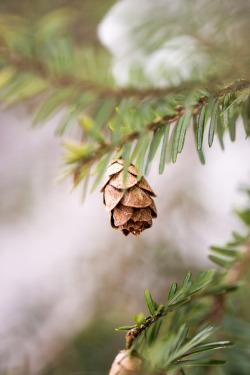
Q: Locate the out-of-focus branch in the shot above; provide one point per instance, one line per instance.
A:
(64, 80)
(234, 274)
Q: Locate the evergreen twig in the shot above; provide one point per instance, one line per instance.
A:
(217, 308)
(159, 122)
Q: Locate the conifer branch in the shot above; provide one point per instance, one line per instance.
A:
(159, 122)
(216, 313)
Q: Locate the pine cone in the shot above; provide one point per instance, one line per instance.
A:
(130, 204)
(125, 364)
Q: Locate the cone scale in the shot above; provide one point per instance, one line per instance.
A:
(130, 204)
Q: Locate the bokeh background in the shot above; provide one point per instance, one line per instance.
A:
(67, 280)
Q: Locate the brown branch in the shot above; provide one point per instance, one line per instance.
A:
(239, 268)
(134, 332)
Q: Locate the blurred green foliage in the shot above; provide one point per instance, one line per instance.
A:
(91, 350)
(88, 13)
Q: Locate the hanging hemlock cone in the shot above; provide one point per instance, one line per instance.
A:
(130, 204)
